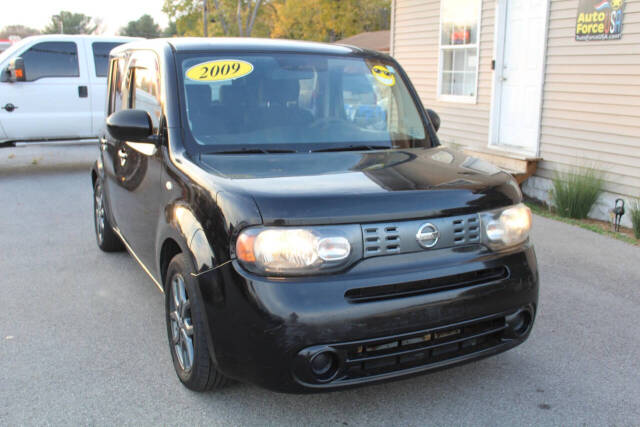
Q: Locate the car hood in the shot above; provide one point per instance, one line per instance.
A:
(369, 186)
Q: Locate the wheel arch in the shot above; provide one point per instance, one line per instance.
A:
(183, 233)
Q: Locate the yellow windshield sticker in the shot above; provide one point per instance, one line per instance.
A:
(223, 69)
(383, 75)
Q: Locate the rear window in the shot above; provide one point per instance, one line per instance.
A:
(101, 56)
(51, 59)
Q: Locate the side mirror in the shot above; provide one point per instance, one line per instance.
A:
(435, 118)
(130, 125)
(15, 71)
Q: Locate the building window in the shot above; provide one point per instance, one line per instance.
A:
(459, 34)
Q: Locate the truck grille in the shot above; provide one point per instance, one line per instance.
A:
(400, 290)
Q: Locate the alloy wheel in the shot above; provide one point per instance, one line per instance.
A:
(181, 324)
(99, 212)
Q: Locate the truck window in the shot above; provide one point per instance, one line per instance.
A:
(101, 56)
(51, 59)
(146, 87)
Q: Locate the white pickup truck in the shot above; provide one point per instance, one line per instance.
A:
(53, 87)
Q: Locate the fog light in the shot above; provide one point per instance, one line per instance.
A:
(323, 364)
(518, 324)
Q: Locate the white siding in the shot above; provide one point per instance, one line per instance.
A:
(591, 103)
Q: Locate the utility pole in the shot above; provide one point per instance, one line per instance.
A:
(204, 18)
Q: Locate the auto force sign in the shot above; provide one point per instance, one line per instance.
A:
(599, 20)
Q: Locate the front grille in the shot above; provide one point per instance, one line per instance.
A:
(390, 238)
(399, 290)
(375, 357)
(381, 239)
(466, 230)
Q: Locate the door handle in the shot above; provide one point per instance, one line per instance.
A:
(83, 91)
(10, 107)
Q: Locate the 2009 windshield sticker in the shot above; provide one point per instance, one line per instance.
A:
(383, 75)
(222, 69)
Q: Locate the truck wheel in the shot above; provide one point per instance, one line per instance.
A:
(106, 238)
(186, 330)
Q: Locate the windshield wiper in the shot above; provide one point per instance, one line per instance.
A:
(353, 148)
(252, 151)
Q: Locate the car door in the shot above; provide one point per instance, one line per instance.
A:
(135, 168)
(53, 102)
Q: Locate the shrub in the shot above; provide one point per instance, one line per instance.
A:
(635, 217)
(575, 192)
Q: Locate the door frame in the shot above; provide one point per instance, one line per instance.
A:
(496, 93)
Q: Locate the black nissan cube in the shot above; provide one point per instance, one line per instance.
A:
(309, 232)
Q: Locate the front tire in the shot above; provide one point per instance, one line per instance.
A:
(106, 238)
(186, 330)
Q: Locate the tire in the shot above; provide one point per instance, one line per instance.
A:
(106, 238)
(186, 330)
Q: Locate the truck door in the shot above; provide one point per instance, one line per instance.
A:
(53, 102)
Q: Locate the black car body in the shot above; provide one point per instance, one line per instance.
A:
(421, 287)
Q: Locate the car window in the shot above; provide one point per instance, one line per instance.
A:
(297, 102)
(51, 59)
(101, 56)
(146, 88)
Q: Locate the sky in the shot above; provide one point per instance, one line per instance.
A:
(114, 13)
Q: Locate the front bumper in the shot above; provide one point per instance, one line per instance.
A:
(387, 317)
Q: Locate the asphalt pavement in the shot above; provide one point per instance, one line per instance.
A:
(83, 339)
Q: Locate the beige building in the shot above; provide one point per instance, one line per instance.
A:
(521, 80)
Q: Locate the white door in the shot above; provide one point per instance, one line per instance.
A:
(54, 101)
(519, 75)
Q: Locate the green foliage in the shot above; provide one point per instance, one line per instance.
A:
(575, 192)
(226, 17)
(634, 211)
(17, 30)
(329, 20)
(171, 30)
(144, 26)
(320, 20)
(70, 23)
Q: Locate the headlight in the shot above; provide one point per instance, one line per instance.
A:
(296, 251)
(506, 227)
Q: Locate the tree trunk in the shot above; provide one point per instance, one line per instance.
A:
(239, 17)
(253, 17)
(223, 21)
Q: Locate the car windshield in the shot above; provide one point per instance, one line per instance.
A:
(296, 102)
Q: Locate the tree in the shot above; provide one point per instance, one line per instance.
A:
(228, 17)
(171, 30)
(17, 30)
(144, 26)
(329, 20)
(70, 23)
